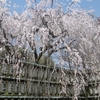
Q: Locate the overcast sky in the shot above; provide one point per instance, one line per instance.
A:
(85, 4)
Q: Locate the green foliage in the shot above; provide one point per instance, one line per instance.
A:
(6, 94)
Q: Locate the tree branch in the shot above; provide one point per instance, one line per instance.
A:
(42, 52)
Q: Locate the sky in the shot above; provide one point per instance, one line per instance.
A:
(84, 4)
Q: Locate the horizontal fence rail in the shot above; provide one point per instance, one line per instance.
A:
(41, 82)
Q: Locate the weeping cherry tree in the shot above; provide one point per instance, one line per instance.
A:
(71, 39)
